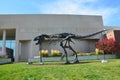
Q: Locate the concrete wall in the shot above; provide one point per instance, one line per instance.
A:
(25, 50)
(30, 25)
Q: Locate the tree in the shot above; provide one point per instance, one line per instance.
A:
(108, 45)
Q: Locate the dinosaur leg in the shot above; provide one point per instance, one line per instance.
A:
(66, 55)
(76, 57)
(67, 61)
(40, 48)
(62, 56)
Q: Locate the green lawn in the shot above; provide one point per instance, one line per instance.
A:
(94, 70)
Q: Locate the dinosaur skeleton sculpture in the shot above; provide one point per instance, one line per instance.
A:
(64, 43)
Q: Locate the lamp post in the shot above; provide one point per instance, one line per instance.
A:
(102, 36)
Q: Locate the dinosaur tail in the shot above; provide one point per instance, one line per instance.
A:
(90, 35)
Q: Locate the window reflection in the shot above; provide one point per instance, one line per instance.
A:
(9, 44)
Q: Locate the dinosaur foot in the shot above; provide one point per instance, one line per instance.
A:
(76, 61)
(67, 62)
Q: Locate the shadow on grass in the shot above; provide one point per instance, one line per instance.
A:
(56, 63)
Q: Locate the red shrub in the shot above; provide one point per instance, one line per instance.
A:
(108, 45)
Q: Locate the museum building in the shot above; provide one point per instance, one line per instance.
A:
(19, 30)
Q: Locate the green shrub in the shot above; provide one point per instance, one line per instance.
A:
(84, 54)
(99, 51)
(92, 53)
(87, 54)
(44, 53)
(2, 56)
(55, 53)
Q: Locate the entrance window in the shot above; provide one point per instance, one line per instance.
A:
(9, 44)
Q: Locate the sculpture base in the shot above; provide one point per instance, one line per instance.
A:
(104, 61)
(41, 63)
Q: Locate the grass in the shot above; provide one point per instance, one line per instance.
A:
(94, 70)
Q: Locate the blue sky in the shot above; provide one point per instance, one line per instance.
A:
(109, 9)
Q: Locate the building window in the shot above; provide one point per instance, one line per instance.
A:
(9, 44)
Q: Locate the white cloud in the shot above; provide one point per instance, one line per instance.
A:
(64, 6)
(77, 7)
